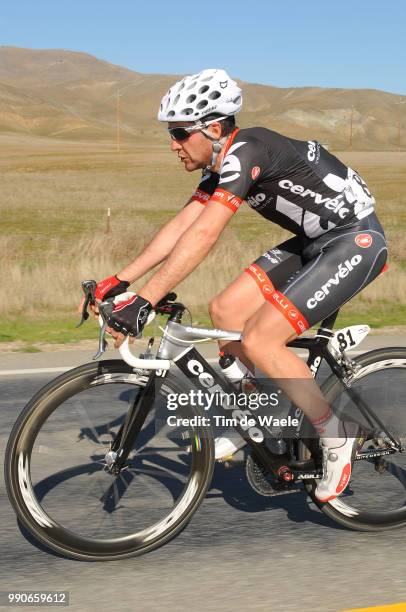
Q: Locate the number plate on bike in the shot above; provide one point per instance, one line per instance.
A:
(348, 338)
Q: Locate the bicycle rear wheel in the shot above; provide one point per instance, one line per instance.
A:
(56, 475)
(375, 499)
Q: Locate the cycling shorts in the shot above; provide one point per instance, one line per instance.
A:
(308, 279)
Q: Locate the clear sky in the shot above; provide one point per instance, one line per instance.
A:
(354, 44)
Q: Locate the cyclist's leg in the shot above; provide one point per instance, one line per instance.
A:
(339, 265)
(238, 302)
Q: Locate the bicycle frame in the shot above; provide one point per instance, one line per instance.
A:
(177, 346)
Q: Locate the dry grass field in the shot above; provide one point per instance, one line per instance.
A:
(55, 197)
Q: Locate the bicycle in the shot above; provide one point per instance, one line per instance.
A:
(94, 472)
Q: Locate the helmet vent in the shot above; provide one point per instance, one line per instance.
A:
(203, 89)
(209, 78)
(176, 100)
(191, 98)
(187, 111)
(171, 113)
(213, 95)
(202, 104)
(193, 84)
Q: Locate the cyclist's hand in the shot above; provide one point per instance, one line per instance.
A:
(129, 317)
(107, 288)
(110, 287)
(118, 337)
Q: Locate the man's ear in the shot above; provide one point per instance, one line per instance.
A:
(215, 130)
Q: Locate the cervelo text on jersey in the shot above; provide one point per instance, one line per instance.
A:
(344, 269)
(334, 204)
(297, 184)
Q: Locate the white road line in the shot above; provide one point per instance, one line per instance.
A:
(34, 371)
(65, 369)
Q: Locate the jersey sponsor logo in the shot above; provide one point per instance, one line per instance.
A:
(363, 240)
(313, 153)
(255, 172)
(228, 199)
(334, 204)
(258, 201)
(201, 196)
(275, 255)
(344, 269)
(231, 166)
(270, 258)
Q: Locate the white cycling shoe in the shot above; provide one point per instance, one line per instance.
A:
(337, 461)
(226, 446)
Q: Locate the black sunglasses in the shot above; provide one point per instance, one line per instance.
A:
(183, 133)
(180, 133)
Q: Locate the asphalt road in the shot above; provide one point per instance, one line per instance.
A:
(240, 552)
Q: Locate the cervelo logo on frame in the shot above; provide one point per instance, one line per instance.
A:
(363, 240)
(343, 271)
(207, 381)
(255, 172)
(334, 204)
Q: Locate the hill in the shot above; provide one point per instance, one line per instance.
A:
(72, 95)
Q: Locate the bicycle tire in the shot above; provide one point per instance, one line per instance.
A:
(342, 509)
(22, 491)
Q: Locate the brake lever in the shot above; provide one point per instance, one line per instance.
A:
(105, 310)
(89, 288)
(103, 344)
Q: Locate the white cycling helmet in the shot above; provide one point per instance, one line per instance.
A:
(198, 95)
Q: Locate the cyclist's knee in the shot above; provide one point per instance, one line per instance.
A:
(220, 310)
(214, 309)
(253, 344)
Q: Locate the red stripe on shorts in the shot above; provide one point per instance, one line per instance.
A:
(290, 312)
(262, 280)
(280, 301)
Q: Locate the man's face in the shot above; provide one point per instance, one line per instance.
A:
(195, 152)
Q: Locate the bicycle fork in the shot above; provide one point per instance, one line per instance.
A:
(133, 423)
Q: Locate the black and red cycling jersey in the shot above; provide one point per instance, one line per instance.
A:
(339, 246)
(296, 184)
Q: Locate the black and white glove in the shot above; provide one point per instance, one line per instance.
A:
(129, 315)
(110, 287)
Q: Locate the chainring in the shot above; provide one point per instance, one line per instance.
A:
(263, 482)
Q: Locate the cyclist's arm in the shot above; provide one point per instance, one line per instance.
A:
(162, 243)
(189, 251)
(196, 242)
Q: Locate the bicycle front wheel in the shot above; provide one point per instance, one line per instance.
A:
(56, 473)
(375, 499)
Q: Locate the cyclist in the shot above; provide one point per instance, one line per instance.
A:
(337, 249)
